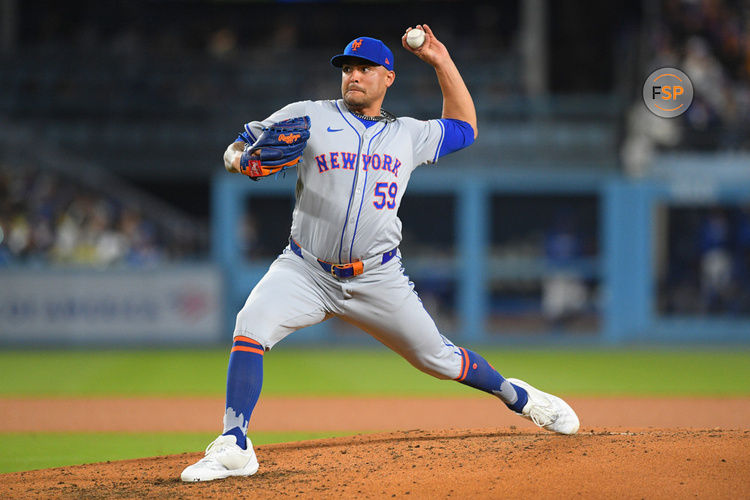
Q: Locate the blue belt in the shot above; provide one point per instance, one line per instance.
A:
(344, 270)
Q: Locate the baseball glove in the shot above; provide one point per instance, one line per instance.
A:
(279, 147)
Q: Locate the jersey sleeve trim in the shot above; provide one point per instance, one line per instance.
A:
(458, 135)
(440, 142)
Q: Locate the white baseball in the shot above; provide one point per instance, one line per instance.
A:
(415, 38)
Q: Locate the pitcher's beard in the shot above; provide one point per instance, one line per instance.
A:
(353, 105)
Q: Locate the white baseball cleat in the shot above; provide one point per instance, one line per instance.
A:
(224, 458)
(548, 411)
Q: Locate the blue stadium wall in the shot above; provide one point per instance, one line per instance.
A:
(624, 266)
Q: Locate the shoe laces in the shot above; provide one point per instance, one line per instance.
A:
(219, 444)
(542, 415)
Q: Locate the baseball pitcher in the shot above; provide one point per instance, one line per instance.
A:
(353, 161)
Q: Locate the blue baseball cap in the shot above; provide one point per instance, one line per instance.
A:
(369, 49)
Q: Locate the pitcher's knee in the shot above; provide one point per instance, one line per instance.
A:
(242, 320)
(445, 365)
(250, 338)
(254, 327)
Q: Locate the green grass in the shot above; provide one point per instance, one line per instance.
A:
(43, 450)
(330, 372)
(348, 372)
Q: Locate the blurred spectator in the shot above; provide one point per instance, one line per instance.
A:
(646, 133)
(45, 219)
(710, 41)
(222, 43)
(742, 257)
(563, 291)
(708, 260)
(716, 261)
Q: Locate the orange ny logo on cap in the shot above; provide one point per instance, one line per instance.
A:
(356, 44)
(288, 138)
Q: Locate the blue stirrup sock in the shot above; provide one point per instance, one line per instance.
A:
(244, 381)
(478, 373)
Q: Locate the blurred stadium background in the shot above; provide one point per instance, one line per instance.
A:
(578, 218)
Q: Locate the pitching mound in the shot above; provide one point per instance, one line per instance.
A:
(475, 463)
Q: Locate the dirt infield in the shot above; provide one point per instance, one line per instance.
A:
(479, 463)
(355, 414)
(627, 448)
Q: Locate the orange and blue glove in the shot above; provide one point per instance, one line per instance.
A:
(279, 147)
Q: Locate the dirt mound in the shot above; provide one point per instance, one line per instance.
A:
(475, 463)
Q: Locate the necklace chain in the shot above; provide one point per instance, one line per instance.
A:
(369, 118)
(384, 116)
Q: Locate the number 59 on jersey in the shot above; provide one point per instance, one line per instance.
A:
(385, 195)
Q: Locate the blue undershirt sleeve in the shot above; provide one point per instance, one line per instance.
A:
(246, 136)
(458, 135)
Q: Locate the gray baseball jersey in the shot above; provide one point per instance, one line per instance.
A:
(349, 187)
(352, 178)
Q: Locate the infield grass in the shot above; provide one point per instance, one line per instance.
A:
(31, 451)
(322, 372)
(350, 372)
